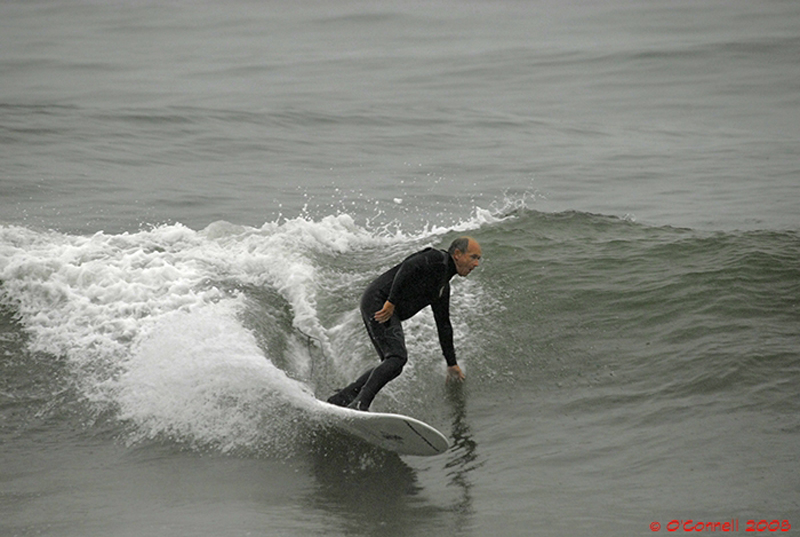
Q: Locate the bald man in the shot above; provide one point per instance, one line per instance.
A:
(422, 279)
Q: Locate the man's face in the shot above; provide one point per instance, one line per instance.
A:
(467, 261)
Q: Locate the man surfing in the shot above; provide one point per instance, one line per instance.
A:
(422, 279)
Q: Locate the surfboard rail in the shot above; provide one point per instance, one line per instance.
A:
(394, 432)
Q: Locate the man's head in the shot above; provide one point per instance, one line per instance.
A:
(466, 253)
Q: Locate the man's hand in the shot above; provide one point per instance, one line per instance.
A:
(455, 374)
(385, 312)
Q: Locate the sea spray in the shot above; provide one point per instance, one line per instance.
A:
(167, 329)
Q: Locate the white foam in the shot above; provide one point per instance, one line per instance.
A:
(200, 377)
(150, 321)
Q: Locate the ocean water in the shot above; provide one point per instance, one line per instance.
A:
(194, 194)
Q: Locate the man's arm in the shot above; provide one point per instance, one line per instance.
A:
(407, 276)
(441, 314)
(455, 374)
(385, 313)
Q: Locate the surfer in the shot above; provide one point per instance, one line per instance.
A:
(422, 279)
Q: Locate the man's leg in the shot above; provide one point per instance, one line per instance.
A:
(390, 343)
(346, 395)
(380, 377)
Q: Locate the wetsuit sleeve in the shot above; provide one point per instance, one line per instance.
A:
(441, 313)
(403, 278)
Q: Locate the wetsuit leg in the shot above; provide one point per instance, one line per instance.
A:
(346, 395)
(390, 344)
(389, 341)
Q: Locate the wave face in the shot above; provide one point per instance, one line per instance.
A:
(216, 337)
(221, 337)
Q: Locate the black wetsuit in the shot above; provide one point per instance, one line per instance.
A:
(422, 279)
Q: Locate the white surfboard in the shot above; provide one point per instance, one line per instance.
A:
(394, 432)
